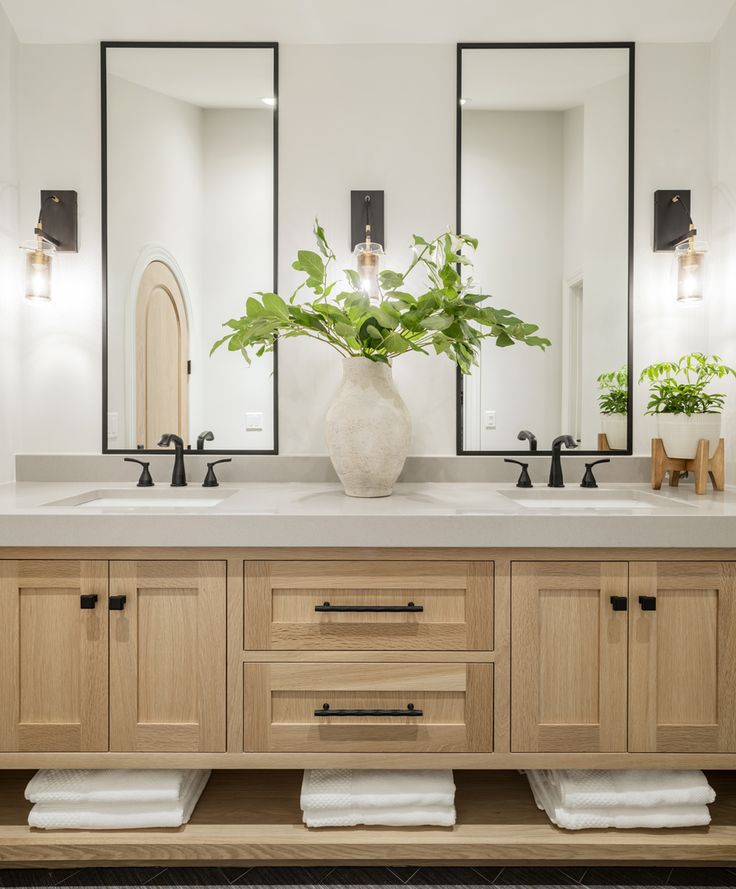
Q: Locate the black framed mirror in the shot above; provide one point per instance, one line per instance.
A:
(189, 230)
(545, 181)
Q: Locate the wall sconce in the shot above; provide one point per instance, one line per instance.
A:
(674, 231)
(366, 226)
(55, 231)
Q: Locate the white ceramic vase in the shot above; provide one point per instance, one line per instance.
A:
(614, 427)
(680, 434)
(368, 429)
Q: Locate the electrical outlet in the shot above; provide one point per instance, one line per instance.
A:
(490, 419)
(254, 422)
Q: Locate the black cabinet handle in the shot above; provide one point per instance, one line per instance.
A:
(411, 607)
(619, 603)
(117, 603)
(648, 603)
(410, 711)
(88, 600)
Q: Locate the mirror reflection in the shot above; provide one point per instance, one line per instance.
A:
(545, 186)
(189, 233)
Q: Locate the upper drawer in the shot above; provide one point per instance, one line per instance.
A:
(425, 606)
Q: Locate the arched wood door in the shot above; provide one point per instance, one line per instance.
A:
(162, 354)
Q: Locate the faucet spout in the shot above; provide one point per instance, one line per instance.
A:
(179, 475)
(555, 470)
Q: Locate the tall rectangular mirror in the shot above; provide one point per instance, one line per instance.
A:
(189, 150)
(545, 182)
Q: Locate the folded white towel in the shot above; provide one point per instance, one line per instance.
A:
(610, 788)
(107, 785)
(121, 815)
(548, 798)
(391, 816)
(362, 789)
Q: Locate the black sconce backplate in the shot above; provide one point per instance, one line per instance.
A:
(358, 217)
(60, 220)
(671, 223)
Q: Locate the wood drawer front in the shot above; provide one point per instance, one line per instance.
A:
(456, 701)
(456, 599)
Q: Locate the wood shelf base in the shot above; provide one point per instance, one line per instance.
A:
(703, 466)
(254, 816)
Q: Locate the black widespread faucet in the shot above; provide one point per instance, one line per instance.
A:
(555, 470)
(526, 435)
(179, 475)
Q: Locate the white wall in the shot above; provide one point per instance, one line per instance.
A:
(512, 201)
(722, 292)
(387, 121)
(155, 190)
(10, 257)
(238, 261)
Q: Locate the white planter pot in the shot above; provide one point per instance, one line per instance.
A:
(680, 434)
(614, 427)
(368, 429)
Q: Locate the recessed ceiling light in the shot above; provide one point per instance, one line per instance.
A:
(269, 100)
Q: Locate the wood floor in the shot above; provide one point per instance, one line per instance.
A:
(253, 816)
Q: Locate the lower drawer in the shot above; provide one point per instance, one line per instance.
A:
(357, 708)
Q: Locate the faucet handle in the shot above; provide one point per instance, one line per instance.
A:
(210, 480)
(145, 481)
(589, 479)
(524, 480)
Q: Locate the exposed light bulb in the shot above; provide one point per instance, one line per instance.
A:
(690, 258)
(367, 259)
(39, 268)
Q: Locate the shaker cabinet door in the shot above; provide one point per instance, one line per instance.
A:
(683, 657)
(568, 657)
(53, 656)
(167, 656)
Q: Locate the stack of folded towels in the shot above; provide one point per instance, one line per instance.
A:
(113, 799)
(585, 798)
(401, 798)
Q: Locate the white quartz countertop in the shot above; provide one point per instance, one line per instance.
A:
(320, 515)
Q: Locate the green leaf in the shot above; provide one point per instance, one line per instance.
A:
(390, 280)
(275, 304)
(310, 262)
(436, 322)
(353, 278)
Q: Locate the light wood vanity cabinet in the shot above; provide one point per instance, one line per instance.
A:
(616, 656)
(344, 658)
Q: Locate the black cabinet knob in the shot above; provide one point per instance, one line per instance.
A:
(88, 600)
(117, 603)
(619, 603)
(648, 603)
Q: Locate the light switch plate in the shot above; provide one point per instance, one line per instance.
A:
(254, 422)
(490, 419)
(112, 425)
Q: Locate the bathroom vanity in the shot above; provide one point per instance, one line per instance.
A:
(542, 648)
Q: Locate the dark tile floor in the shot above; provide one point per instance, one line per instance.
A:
(309, 877)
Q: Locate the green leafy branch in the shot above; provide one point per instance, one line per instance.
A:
(446, 317)
(678, 387)
(614, 391)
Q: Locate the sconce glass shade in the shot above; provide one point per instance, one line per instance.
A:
(691, 266)
(368, 256)
(39, 269)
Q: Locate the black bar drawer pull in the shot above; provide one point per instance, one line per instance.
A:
(619, 603)
(117, 603)
(648, 603)
(88, 600)
(410, 711)
(411, 607)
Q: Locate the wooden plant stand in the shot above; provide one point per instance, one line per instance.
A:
(702, 466)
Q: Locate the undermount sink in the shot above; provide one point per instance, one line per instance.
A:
(151, 498)
(579, 498)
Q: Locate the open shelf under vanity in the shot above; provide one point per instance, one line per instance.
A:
(249, 816)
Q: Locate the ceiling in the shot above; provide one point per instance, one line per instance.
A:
(208, 78)
(538, 80)
(366, 21)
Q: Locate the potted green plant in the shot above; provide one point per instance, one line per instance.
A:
(613, 403)
(686, 412)
(368, 424)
